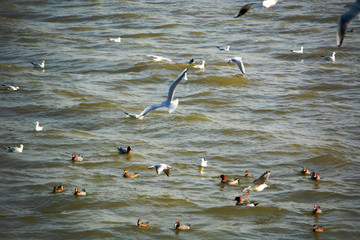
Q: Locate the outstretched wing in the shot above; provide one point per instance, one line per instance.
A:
(244, 9)
(239, 63)
(149, 108)
(262, 179)
(344, 20)
(174, 85)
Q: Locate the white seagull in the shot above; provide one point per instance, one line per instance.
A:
(239, 62)
(169, 102)
(344, 21)
(161, 168)
(258, 185)
(200, 66)
(117, 40)
(10, 87)
(203, 162)
(301, 51)
(37, 65)
(160, 58)
(330, 58)
(15, 149)
(224, 49)
(266, 4)
(38, 127)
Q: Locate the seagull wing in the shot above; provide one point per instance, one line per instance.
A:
(244, 9)
(344, 21)
(262, 179)
(174, 85)
(150, 108)
(240, 64)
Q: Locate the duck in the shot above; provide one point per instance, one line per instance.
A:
(77, 158)
(245, 204)
(15, 149)
(258, 185)
(317, 209)
(37, 65)
(123, 151)
(58, 189)
(38, 127)
(315, 176)
(203, 162)
(129, 175)
(230, 181)
(305, 171)
(142, 224)
(317, 228)
(247, 174)
(79, 193)
(181, 227)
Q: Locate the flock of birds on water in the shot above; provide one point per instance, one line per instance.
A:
(259, 184)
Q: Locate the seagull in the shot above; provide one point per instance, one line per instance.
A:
(38, 127)
(258, 185)
(169, 102)
(301, 51)
(161, 168)
(266, 4)
(344, 21)
(15, 149)
(330, 58)
(10, 87)
(239, 62)
(200, 66)
(224, 49)
(36, 65)
(245, 204)
(117, 40)
(203, 163)
(159, 58)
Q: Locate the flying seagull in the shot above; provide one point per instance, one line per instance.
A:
(239, 62)
(266, 4)
(169, 102)
(161, 168)
(258, 185)
(344, 21)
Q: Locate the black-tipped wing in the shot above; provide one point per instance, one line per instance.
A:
(174, 85)
(344, 20)
(262, 179)
(244, 9)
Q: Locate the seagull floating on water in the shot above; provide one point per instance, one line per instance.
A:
(301, 51)
(161, 168)
(38, 127)
(160, 58)
(330, 58)
(245, 204)
(15, 149)
(37, 65)
(239, 63)
(258, 185)
(10, 87)
(224, 49)
(169, 102)
(344, 21)
(117, 40)
(203, 163)
(266, 4)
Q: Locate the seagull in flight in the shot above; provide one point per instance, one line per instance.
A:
(169, 102)
(161, 168)
(37, 65)
(344, 21)
(266, 4)
(239, 62)
(160, 58)
(258, 185)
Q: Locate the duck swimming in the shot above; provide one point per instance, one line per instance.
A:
(317, 228)
(245, 204)
(58, 189)
(80, 193)
(77, 158)
(142, 224)
(230, 181)
(317, 209)
(129, 175)
(123, 151)
(247, 174)
(305, 171)
(315, 176)
(179, 226)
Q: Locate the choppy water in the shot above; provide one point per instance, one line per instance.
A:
(288, 111)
